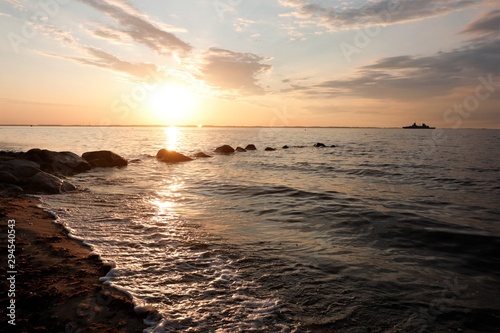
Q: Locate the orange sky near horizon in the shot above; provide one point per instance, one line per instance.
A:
(262, 63)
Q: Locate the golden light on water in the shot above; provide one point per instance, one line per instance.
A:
(172, 134)
(168, 198)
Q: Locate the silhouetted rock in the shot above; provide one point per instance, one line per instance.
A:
(225, 149)
(285, 147)
(251, 147)
(241, 150)
(20, 174)
(170, 156)
(21, 168)
(270, 149)
(201, 154)
(8, 178)
(10, 189)
(333, 146)
(65, 163)
(104, 159)
(9, 155)
(319, 145)
(43, 182)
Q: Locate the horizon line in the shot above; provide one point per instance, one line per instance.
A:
(222, 126)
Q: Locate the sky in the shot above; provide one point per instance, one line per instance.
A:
(360, 63)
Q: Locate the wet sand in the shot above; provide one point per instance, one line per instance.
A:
(57, 286)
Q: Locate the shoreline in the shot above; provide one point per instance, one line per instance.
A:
(56, 280)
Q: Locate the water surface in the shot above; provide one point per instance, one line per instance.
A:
(388, 231)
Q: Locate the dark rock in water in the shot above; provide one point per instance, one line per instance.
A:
(20, 168)
(285, 147)
(10, 189)
(226, 149)
(8, 178)
(65, 163)
(104, 159)
(170, 156)
(270, 149)
(251, 147)
(67, 187)
(43, 182)
(241, 150)
(333, 146)
(201, 154)
(20, 174)
(19, 163)
(319, 145)
(9, 155)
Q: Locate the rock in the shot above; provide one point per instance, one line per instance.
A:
(104, 159)
(270, 149)
(20, 174)
(201, 154)
(47, 183)
(333, 146)
(225, 149)
(9, 155)
(319, 145)
(8, 178)
(21, 168)
(170, 156)
(67, 187)
(241, 150)
(10, 189)
(285, 147)
(66, 163)
(251, 147)
(19, 162)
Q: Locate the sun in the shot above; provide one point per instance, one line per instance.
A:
(172, 104)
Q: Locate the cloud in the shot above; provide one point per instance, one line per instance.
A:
(412, 77)
(92, 56)
(110, 62)
(235, 71)
(109, 34)
(100, 59)
(139, 27)
(384, 12)
(409, 77)
(96, 57)
(488, 23)
(4, 100)
(16, 4)
(242, 24)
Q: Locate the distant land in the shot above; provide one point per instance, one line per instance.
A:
(219, 126)
(187, 126)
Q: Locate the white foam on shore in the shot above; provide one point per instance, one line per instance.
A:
(153, 320)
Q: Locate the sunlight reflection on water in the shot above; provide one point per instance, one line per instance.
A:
(171, 137)
(168, 198)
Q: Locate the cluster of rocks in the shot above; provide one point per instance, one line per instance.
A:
(226, 149)
(42, 171)
(170, 156)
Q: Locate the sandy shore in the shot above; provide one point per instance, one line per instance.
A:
(56, 280)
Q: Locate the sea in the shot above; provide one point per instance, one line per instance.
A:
(381, 230)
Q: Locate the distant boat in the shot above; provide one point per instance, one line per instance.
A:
(415, 126)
